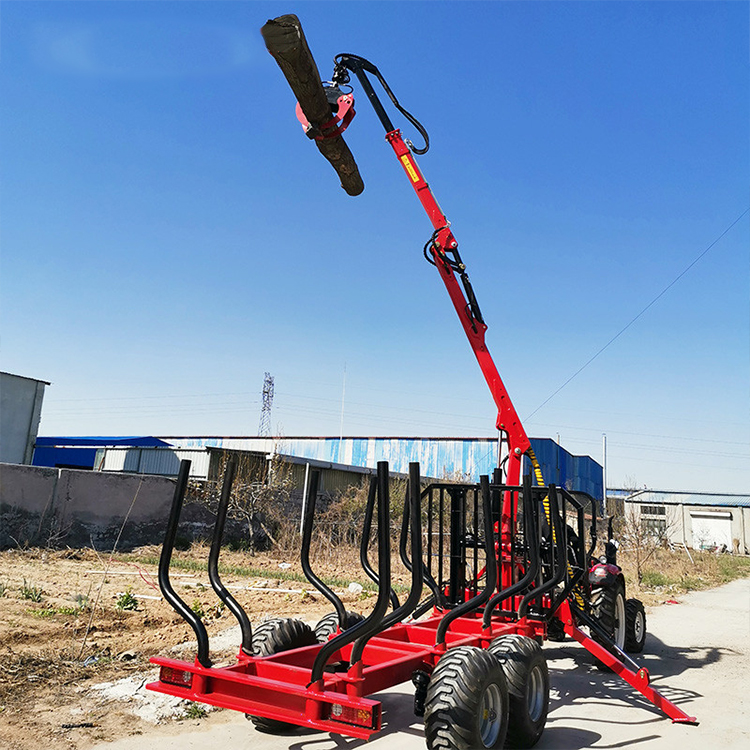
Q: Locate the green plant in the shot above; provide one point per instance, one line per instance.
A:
(197, 607)
(67, 610)
(652, 578)
(692, 583)
(44, 613)
(731, 567)
(217, 610)
(3, 589)
(47, 612)
(32, 593)
(194, 711)
(82, 601)
(126, 601)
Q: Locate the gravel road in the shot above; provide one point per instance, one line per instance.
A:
(697, 652)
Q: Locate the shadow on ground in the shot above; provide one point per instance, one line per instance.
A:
(574, 680)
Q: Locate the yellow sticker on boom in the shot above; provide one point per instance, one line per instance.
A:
(410, 168)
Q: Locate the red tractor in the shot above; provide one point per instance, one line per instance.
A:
(496, 567)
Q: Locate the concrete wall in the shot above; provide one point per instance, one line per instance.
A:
(40, 506)
(20, 412)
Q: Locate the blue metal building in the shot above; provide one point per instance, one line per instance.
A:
(438, 457)
(80, 452)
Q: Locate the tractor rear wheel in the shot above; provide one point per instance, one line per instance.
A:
(635, 626)
(527, 676)
(467, 701)
(273, 637)
(609, 611)
(329, 624)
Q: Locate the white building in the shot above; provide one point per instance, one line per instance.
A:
(694, 519)
(20, 411)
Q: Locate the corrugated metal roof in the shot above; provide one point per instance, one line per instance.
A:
(439, 458)
(670, 497)
(99, 442)
(317, 464)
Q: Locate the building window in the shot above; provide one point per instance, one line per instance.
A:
(654, 520)
(654, 526)
(653, 510)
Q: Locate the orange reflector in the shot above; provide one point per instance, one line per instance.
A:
(175, 676)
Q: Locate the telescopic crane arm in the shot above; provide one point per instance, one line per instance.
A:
(442, 251)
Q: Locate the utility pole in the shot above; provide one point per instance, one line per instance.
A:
(264, 428)
(604, 474)
(341, 426)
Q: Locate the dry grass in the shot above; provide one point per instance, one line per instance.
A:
(670, 573)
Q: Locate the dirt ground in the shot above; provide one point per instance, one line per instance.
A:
(77, 629)
(62, 632)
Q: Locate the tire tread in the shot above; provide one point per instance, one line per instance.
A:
(454, 695)
(272, 637)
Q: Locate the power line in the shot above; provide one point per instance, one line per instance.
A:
(649, 305)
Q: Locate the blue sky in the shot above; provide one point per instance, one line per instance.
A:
(169, 234)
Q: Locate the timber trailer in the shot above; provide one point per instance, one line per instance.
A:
(503, 564)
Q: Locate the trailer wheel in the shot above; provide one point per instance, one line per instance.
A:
(467, 701)
(609, 610)
(273, 637)
(635, 626)
(527, 676)
(329, 624)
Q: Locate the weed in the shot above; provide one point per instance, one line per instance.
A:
(67, 610)
(197, 607)
(126, 601)
(216, 611)
(692, 583)
(653, 578)
(32, 593)
(194, 711)
(731, 567)
(82, 601)
(44, 613)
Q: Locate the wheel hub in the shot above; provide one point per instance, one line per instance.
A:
(491, 724)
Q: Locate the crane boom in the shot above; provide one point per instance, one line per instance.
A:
(442, 251)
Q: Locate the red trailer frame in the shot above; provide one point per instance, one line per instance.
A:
(324, 686)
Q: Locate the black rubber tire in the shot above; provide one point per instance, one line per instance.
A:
(527, 676)
(329, 624)
(609, 611)
(635, 626)
(273, 637)
(467, 701)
